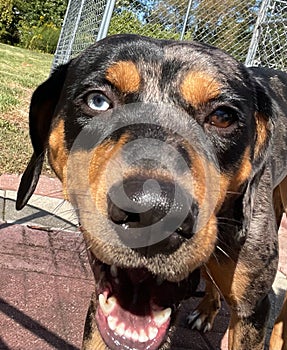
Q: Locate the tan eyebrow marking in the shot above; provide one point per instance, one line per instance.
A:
(199, 87)
(124, 76)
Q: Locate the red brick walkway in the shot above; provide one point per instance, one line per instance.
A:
(46, 283)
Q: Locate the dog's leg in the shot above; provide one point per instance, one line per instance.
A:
(278, 339)
(202, 318)
(248, 333)
(249, 309)
(92, 339)
(283, 192)
(278, 205)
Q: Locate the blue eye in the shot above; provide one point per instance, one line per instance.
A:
(98, 102)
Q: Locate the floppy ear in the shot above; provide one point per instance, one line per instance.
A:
(42, 109)
(264, 109)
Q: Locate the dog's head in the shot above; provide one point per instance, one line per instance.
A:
(149, 138)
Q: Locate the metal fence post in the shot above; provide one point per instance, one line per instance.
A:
(104, 26)
(185, 20)
(249, 61)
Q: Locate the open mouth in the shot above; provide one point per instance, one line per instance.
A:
(136, 309)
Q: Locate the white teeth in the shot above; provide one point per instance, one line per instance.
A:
(107, 305)
(128, 333)
(120, 329)
(160, 317)
(143, 337)
(135, 336)
(114, 271)
(112, 322)
(152, 332)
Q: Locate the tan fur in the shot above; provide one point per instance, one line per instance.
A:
(242, 173)
(232, 278)
(261, 132)
(93, 340)
(99, 174)
(199, 87)
(124, 76)
(210, 304)
(58, 154)
(283, 193)
(238, 331)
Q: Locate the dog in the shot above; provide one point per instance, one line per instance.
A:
(174, 156)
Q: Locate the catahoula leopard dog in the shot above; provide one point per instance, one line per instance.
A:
(174, 156)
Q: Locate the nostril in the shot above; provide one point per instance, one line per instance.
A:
(117, 215)
(187, 228)
(120, 216)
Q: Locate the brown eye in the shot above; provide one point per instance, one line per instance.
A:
(222, 118)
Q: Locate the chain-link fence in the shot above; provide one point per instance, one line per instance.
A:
(254, 32)
(80, 28)
(268, 46)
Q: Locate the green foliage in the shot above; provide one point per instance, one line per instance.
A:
(127, 22)
(227, 24)
(6, 18)
(33, 24)
(33, 11)
(42, 38)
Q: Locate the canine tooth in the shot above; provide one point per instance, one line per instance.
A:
(107, 305)
(112, 301)
(120, 330)
(160, 317)
(143, 337)
(152, 332)
(114, 271)
(102, 302)
(135, 336)
(112, 322)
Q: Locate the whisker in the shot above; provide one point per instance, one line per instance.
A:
(224, 252)
(222, 219)
(211, 278)
(215, 257)
(233, 192)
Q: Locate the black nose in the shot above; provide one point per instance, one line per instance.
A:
(152, 215)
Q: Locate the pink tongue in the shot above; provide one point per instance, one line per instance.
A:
(131, 320)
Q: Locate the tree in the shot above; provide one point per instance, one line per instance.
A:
(32, 24)
(6, 20)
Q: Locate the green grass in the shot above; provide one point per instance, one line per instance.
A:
(20, 72)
